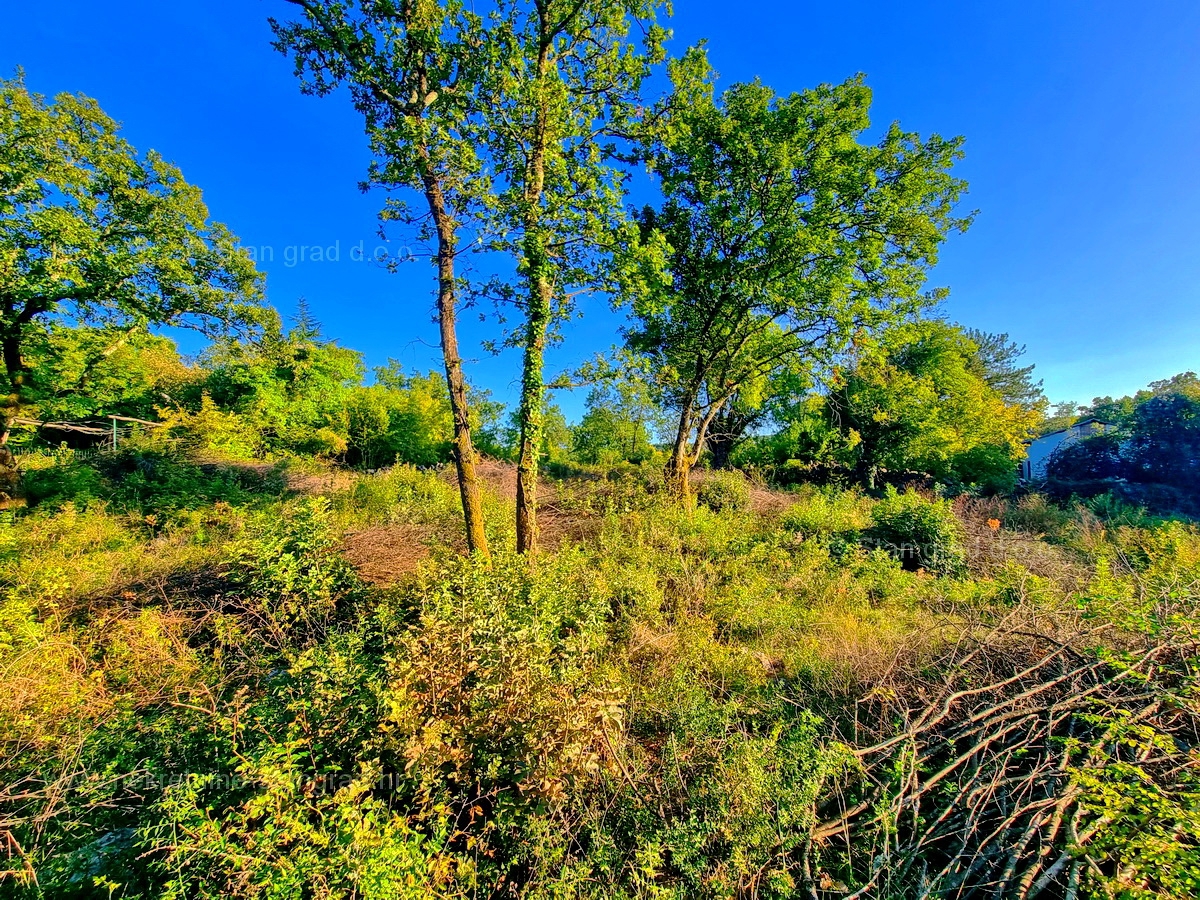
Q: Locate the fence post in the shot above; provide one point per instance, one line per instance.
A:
(114, 437)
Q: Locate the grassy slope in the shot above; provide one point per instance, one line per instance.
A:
(202, 697)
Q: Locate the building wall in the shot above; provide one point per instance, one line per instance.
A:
(1038, 453)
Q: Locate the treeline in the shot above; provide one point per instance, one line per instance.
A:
(1148, 454)
(928, 399)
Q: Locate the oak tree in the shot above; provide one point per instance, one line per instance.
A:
(94, 232)
(786, 233)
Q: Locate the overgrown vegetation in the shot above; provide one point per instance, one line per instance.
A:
(274, 628)
(805, 694)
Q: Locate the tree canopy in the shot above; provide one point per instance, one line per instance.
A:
(784, 234)
(919, 400)
(93, 232)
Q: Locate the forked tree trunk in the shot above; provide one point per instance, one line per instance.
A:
(464, 448)
(679, 464)
(685, 452)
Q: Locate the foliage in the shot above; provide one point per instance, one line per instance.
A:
(783, 234)
(916, 401)
(293, 387)
(620, 423)
(1149, 453)
(288, 567)
(689, 702)
(997, 361)
(150, 480)
(921, 532)
(85, 372)
(724, 491)
(92, 231)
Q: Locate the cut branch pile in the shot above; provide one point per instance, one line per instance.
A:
(1033, 766)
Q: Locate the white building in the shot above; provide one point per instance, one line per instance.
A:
(1038, 452)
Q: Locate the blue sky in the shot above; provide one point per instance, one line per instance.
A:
(1082, 126)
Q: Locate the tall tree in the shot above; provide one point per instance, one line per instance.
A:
(414, 69)
(997, 361)
(563, 99)
(915, 400)
(785, 235)
(92, 231)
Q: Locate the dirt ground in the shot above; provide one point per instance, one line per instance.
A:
(385, 554)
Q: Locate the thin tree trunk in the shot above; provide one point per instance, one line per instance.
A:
(540, 295)
(532, 392)
(15, 372)
(464, 448)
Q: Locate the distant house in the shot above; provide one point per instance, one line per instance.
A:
(1038, 452)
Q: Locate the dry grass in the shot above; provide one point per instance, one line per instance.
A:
(386, 554)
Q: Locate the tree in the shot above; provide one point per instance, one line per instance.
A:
(86, 372)
(405, 417)
(413, 68)
(504, 121)
(91, 231)
(766, 399)
(916, 400)
(1163, 433)
(290, 388)
(785, 236)
(1150, 453)
(996, 361)
(1061, 416)
(621, 422)
(564, 94)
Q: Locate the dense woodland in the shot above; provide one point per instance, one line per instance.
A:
(775, 617)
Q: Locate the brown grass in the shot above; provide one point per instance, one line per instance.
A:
(385, 554)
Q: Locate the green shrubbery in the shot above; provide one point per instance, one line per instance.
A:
(922, 533)
(721, 491)
(668, 708)
(286, 563)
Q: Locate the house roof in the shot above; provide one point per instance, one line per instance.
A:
(1088, 421)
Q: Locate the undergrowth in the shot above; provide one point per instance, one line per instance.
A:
(203, 699)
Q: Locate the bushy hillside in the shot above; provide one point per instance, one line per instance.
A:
(771, 695)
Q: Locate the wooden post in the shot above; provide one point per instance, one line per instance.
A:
(114, 436)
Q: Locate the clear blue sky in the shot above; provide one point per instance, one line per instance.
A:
(1082, 126)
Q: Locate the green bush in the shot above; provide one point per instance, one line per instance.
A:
(291, 571)
(149, 480)
(828, 511)
(921, 532)
(70, 482)
(724, 491)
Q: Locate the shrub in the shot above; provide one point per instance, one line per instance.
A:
(1035, 513)
(72, 481)
(825, 512)
(922, 533)
(721, 491)
(291, 571)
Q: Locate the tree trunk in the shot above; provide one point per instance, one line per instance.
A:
(14, 370)
(540, 295)
(683, 457)
(679, 463)
(532, 390)
(464, 448)
(721, 445)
